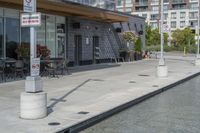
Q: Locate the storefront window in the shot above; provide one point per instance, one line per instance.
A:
(12, 37)
(41, 32)
(25, 35)
(60, 40)
(51, 34)
(1, 38)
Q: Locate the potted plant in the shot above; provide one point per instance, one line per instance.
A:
(122, 53)
(43, 52)
(138, 49)
(23, 51)
(130, 37)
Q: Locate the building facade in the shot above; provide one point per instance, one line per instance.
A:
(79, 33)
(178, 14)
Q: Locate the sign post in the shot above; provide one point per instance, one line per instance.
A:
(162, 69)
(33, 102)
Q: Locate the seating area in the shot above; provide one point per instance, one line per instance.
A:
(11, 69)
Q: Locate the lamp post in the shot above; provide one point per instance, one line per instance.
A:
(162, 69)
(33, 102)
(197, 61)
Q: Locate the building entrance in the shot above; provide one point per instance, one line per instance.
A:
(78, 49)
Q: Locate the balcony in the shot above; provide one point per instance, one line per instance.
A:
(141, 4)
(179, 2)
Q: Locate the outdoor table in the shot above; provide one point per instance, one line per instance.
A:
(50, 66)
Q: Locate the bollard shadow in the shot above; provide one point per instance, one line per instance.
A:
(61, 99)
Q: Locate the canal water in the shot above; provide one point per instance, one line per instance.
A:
(174, 111)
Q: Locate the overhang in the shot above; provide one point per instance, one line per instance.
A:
(69, 9)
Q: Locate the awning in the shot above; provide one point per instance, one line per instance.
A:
(69, 9)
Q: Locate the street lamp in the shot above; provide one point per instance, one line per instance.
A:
(197, 61)
(162, 69)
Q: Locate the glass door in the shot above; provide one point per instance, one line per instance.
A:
(12, 30)
(1, 39)
(78, 49)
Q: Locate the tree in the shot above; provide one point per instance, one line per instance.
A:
(183, 38)
(153, 36)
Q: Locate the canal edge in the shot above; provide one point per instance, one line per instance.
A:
(98, 118)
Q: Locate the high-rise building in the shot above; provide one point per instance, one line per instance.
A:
(178, 14)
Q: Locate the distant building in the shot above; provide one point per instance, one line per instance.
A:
(178, 14)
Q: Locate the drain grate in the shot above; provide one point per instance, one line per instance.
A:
(132, 82)
(98, 80)
(144, 75)
(155, 86)
(53, 123)
(83, 112)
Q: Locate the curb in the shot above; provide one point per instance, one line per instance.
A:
(98, 118)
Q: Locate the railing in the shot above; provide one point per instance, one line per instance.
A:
(178, 1)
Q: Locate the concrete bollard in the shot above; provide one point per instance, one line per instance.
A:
(162, 71)
(33, 105)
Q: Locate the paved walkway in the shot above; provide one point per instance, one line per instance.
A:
(94, 91)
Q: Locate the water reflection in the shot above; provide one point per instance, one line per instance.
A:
(174, 111)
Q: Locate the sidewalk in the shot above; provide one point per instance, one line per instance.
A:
(85, 94)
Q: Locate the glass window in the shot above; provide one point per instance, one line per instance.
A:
(51, 34)
(173, 15)
(165, 16)
(12, 37)
(11, 13)
(41, 32)
(1, 11)
(154, 8)
(182, 24)
(154, 16)
(60, 40)
(1, 39)
(173, 24)
(182, 15)
(25, 35)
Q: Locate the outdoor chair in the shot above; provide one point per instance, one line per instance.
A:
(62, 66)
(9, 69)
(50, 69)
(2, 70)
(19, 68)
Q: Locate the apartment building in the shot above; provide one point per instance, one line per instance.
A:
(178, 14)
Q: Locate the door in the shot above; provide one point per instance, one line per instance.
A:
(12, 32)
(1, 39)
(78, 49)
(96, 49)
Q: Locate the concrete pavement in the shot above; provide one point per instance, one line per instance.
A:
(82, 95)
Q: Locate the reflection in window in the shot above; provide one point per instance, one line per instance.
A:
(51, 34)
(41, 32)
(12, 37)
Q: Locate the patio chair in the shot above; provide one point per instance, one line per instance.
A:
(2, 70)
(51, 69)
(19, 68)
(63, 67)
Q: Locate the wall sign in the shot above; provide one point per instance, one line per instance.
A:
(30, 19)
(29, 5)
(35, 67)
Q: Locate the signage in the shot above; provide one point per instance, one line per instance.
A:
(30, 19)
(166, 28)
(35, 67)
(29, 5)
